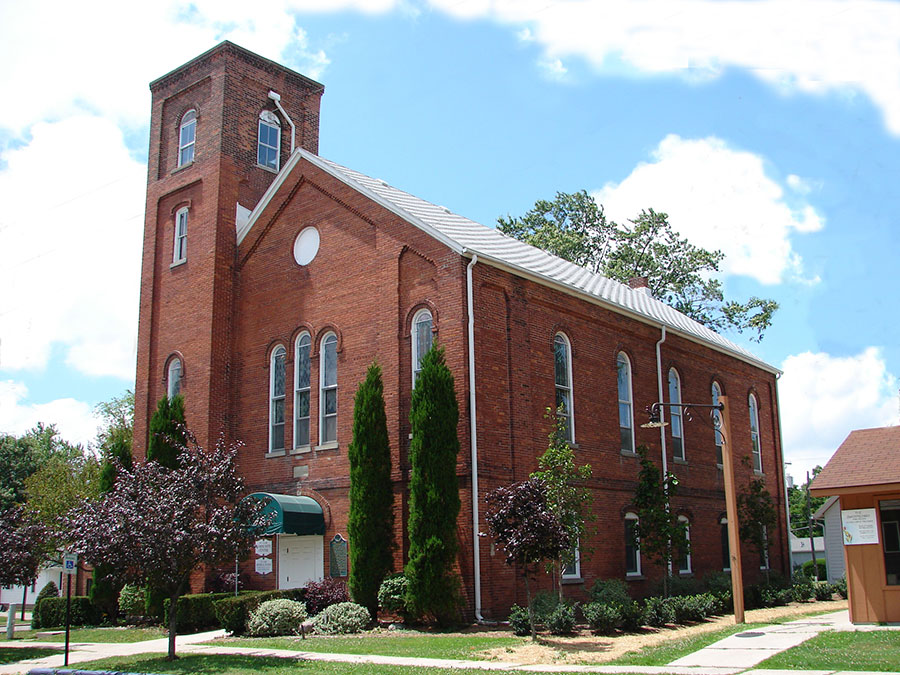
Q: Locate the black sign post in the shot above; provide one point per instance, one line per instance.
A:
(70, 567)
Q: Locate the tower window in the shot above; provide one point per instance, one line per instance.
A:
(626, 418)
(180, 249)
(328, 400)
(269, 146)
(276, 399)
(187, 134)
(421, 340)
(173, 378)
(302, 391)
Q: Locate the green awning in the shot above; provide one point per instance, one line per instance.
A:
(292, 514)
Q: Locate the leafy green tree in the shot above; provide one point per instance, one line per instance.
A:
(433, 492)
(569, 501)
(757, 517)
(658, 533)
(20, 457)
(574, 227)
(370, 523)
(167, 431)
(800, 513)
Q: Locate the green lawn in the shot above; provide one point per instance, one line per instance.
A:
(14, 654)
(406, 643)
(214, 664)
(842, 650)
(130, 634)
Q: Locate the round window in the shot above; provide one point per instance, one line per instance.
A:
(306, 246)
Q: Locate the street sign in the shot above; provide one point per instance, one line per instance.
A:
(70, 563)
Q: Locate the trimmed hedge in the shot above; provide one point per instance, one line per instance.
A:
(277, 617)
(233, 612)
(342, 618)
(48, 591)
(195, 612)
(51, 612)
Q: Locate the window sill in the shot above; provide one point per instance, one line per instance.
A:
(627, 453)
(302, 450)
(267, 168)
(574, 446)
(178, 263)
(720, 467)
(177, 169)
(634, 577)
(331, 445)
(571, 581)
(275, 453)
(677, 460)
(758, 473)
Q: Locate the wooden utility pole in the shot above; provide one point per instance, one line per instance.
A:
(734, 541)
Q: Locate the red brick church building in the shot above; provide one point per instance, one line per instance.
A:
(272, 277)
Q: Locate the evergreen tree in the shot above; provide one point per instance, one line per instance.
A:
(167, 437)
(370, 523)
(433, 493)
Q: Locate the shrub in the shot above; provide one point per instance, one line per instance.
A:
(195, 612)
(392, 595)
(802, 588)
(561, 620)
(344, 617)
(632, 616)
(690, 608)
(223, 582)
(277, 617)
(519, 620)
(234, 612)
(823, 590)
(48, 591)
(51, 612)
(717, 583)
(840, 587)
(543, 604)
(323, 594)
(809, 568)
(610, 591)
(658, 611)
(602, 617)
(682, 586)
(131, 600)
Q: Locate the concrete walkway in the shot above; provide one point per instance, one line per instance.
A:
(738, 653)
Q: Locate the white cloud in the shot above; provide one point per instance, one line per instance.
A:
(73, 419)
(823, 398)
(719, 198)
(70, 233)
(813, 46)
(803, 186)
(553, 68)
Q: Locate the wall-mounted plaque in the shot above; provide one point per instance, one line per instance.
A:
(338, 556)
(860, 526)
(263, 565)
(263, 547)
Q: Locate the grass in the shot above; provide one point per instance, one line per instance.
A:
(666, 652)
(15, 654)
(842, 650)
(218, 664)
(130, 634)
(406, 643)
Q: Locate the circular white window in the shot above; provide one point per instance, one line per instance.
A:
(306, 246)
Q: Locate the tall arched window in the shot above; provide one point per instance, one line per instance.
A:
(684, 555)
(717, 421)
(328, 383)
(276, 399)
(268, 149)
(632, 551)
(754, 434)
(562, 357)
(626, 417)
(173, 378)
(302, 391)
(187, 135)
(421, 340)
(675, 415)
(179, 254)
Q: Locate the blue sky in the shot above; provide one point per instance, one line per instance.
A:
(768, 129)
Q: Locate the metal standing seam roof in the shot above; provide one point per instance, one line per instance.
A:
(492, 246)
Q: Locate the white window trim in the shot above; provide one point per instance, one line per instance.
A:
(193, 144)
(297, 390)
(570, 387)
(676, 411)
(178, 237)
(637, 550)
(576, 574)
(755, 448)
(687, 536)
(413, 334)
(271, 120)
(322, 442)
(630, 401)
(279, 350)
(716, 392)
(169, 378)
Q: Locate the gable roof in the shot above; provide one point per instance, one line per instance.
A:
(467, 237)
(868, 457)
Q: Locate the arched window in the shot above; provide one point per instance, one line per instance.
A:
(421, 340)
(187, 134)
(562, 356)
(632, 551)
(179, 254)
(626, 417)
(302, 391)
(675, 414)
(276, 399)
(268, 149)
(754, 434)
(683, 556)
(717, 421)
(173, 378)
(328, 382)
(726, 548)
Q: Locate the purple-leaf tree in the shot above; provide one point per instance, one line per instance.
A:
(157, 525)
(22, 547)
(524, 526)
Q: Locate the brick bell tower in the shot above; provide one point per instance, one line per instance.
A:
(222, 126)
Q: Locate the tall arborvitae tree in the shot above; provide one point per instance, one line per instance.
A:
(167, 437)
(433, 493)
(370, 523)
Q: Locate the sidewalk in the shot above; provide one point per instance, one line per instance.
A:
(738, 653)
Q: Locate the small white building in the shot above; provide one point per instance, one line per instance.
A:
(830, 515)
(15, 594)
(800, 550)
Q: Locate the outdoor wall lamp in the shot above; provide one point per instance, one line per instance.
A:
(655, 422)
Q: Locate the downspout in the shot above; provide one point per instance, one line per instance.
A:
(473, 436)
(662, 408)
(784, 488)
(276, 97)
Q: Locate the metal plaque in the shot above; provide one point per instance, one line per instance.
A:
(338, 556)
(263, 565)
(263, 547)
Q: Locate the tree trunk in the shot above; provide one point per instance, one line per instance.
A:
(173, 620)
(530, 608)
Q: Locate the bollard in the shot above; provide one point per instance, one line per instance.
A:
(11, 622)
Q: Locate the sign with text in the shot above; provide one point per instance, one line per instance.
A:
(70, 563)
(263, 565)
(263, 547)
(860, 526)
(338, 557)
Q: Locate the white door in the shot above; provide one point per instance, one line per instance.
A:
(300, 560)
